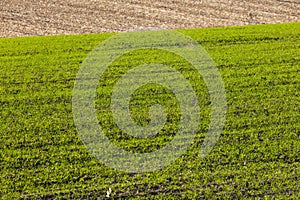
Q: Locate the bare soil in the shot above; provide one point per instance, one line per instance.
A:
(52, 17)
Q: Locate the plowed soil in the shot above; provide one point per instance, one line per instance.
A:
(52, 17)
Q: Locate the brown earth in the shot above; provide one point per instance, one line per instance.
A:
(51, 17)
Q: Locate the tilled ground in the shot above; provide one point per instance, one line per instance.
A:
(52, 17)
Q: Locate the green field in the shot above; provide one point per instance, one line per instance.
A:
(257, 155)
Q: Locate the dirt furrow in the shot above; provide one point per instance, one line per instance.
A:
(52, 17)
